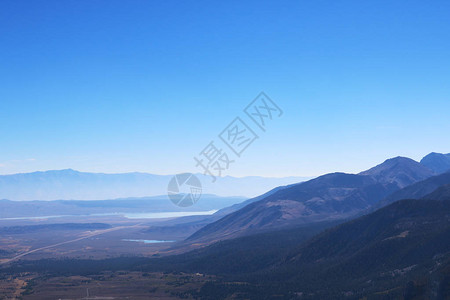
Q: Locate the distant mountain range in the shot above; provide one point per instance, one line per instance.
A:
(73, 185)
(326, 198)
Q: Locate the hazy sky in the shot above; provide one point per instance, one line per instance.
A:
(118, 86)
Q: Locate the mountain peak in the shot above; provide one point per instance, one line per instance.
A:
(438, 162)
(67, 171)
(57, 172)
(391, 163)
(399, 170)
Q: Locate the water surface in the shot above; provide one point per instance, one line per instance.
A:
(148, 241)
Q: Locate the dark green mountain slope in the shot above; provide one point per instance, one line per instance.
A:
(442, 193)
(416, 190)
(399, 252)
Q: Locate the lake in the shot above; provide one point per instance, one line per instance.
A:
(158, 215)
(148, 241)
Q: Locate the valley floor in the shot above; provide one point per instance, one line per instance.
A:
(108, 285)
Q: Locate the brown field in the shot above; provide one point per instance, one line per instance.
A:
(108, 285)
(92, 244)
(96, 244)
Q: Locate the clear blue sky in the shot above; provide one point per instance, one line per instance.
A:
(117, 86)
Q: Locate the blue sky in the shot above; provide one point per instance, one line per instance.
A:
(118, 86)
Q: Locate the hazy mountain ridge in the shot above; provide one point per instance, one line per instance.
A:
(74, 185)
